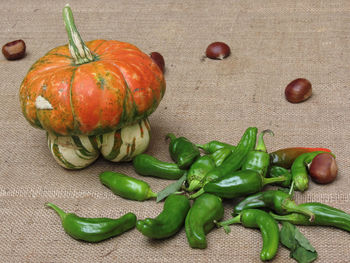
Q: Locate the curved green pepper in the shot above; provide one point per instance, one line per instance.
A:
(237, 184)
(126, 186)
(182, 151)
(276, 171)
(169, 221)
(324, 216)
(201, 219)
(148, 165)
(276, 200)
(213, 146)
(94, 229)
(258, 159)
(300, 175)
(254, 218)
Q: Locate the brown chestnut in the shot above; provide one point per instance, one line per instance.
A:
(158, 59)
(323, 168)
(218, 50)
(298, 90)
(14, 50)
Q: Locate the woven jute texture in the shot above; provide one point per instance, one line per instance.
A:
(272, 43)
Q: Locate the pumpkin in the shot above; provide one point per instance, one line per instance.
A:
(92, 98)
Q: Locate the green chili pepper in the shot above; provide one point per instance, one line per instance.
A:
(213, 146)
(203, 165)
(169, 221)
(299, 171)
(237, 184)
(234, 161)
(254, 218)
(182, 151)
(258, 159)
(285, 157)
(276, 200)
(201, 219)
(324, 216)
(276, 171)
(148, 165)
(126, 186)
(94, 229)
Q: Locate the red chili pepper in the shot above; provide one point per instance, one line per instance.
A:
(285, 157)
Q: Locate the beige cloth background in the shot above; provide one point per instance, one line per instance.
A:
(272, 43)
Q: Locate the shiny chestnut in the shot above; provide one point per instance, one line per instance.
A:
(14, 50)
(218, 50)
(298, 90)
(323, 168)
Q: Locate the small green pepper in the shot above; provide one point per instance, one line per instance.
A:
(299, 171)
(258, 159)
(237, 184)
(201, 218)
(127, 186)
(213, 146)
(182, 151)
(276, 171)
(169, 221)
(276, 200)
(255, 218)
(324, 216)
(94, 229)
(148, 165)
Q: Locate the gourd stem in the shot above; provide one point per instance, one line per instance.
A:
(77, 47)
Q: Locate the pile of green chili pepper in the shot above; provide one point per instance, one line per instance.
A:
(207, 174)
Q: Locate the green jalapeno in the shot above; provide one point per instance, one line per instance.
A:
(202, 166)
(324, 216)
(213, 146)
(258, 159)
(300, 175)
(276, 171)
(182, 151)
(148, 165)
(286, 156)
(255, 218)
(94, 229)
(234, 161)
(169, 221)
(276, 200)
(237, 184)
(201, 218)
(127, 186)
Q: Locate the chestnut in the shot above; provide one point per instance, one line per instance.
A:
(14, 50)
(323, 168)
(218, 50)
(298, 90)
(158, 59)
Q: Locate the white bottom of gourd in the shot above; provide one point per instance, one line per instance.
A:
(77, 152)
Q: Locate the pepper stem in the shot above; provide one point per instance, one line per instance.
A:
(79, 51)
(272, 180)
(291, 207)
(225, 224)
(293, 218)
(261, 144)
(170, 136)
(204, 147)
(58, 210)
(150, 194)
(197, 194)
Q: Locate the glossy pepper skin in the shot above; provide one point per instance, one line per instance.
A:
(213, 146)
(258, 159)
(127, 186)
(203, 165)
(94, 229)
(276, 171)
(201, 219)
(182, 151)
(276, 200)
(286, 156)
(237, 184)
(324, 216)
(300, 175)
(234, 161)
(255, 218)
(148, 165)
(169, 221)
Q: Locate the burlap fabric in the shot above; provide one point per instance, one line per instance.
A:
(272, 43)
